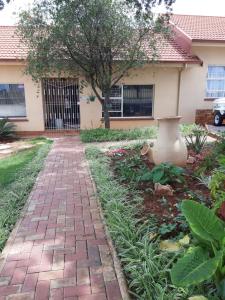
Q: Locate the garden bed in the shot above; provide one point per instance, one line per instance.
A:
(150, 230)
(128, 166)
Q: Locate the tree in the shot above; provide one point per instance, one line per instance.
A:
(2, 3)
(147, 5)
(100, 39)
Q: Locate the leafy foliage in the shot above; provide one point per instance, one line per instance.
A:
(99, 39)
(217, 188)
(7, 130)
(146, 269)
(164, 173)
(2, 3)
(196, 140)
(196, 266)
(205, 261)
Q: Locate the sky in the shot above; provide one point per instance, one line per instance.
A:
(192, 7)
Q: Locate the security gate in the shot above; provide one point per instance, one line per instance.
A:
(61, 104)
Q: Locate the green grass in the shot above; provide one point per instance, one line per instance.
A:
(110, 135)
(146, 268)
(17, 176)
(104, 135)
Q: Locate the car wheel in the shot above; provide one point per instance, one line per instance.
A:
(218, 119)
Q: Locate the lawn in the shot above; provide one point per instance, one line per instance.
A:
(163, 250)
(17, 176)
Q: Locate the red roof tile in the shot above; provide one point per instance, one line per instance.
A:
(10, 45)
(201, 28)
(168, 50)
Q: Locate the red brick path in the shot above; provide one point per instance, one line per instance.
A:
(60, 250)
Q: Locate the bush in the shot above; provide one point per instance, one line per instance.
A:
(105, 135)
(7, 130)
(164, 173)
(196, 140)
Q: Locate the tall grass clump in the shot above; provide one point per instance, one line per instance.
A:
(146, 268)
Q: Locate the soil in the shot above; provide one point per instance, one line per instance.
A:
(165, 208)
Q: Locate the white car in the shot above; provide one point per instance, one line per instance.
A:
(219, 111)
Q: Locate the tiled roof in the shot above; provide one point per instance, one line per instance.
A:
(10, 45)
(168, 50)
(201, 28)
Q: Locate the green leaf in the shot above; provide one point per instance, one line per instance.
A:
(157, 175)
(203, 221)
(195, 267)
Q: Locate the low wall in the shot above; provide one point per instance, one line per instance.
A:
(204, 116)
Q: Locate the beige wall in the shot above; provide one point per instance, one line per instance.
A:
(193, 83)
(165, 81)
(163, 77)
(34, 109)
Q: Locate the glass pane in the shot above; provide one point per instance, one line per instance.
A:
(12, 100)
(137, 100)
(216, 72)
(216, 85)
(115, 91)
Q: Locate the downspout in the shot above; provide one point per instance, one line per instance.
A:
(178, 88)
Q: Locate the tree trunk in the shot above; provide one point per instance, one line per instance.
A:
(106, 111)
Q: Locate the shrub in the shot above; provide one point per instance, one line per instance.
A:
(7, 130)
(104, 135)
(196, 140)
(204, 261)
(187, 129)
(164, 173)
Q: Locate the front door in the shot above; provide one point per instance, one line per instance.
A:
(61, 104)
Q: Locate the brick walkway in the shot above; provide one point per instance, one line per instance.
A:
(60, 250)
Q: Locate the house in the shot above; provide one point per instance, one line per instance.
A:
(189, 74)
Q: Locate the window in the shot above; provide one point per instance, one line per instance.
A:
(215, 82)
(12, 100)
(131, 101)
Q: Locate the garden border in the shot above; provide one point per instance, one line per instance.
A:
(116, 262)
(12, 236)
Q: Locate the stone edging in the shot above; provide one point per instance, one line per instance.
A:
(116, 262)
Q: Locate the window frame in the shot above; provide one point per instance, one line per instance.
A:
(214, 79)
(14, 116)
(122, 101)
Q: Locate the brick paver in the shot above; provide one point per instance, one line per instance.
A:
(60, 249)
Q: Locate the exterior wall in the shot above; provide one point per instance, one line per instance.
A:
(193, 82)
(34, 108)
(163, 77)
(165, 81)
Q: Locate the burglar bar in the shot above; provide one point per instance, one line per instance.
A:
(61, 104)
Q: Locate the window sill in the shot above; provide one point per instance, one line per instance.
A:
(210, 99)
(129, 118)
(16, 119)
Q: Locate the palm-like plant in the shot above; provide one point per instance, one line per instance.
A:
(7, 130)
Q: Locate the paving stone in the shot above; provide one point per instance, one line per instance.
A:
(23, 296)
(60, 251)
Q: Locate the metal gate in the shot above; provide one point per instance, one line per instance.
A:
(61, 104)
